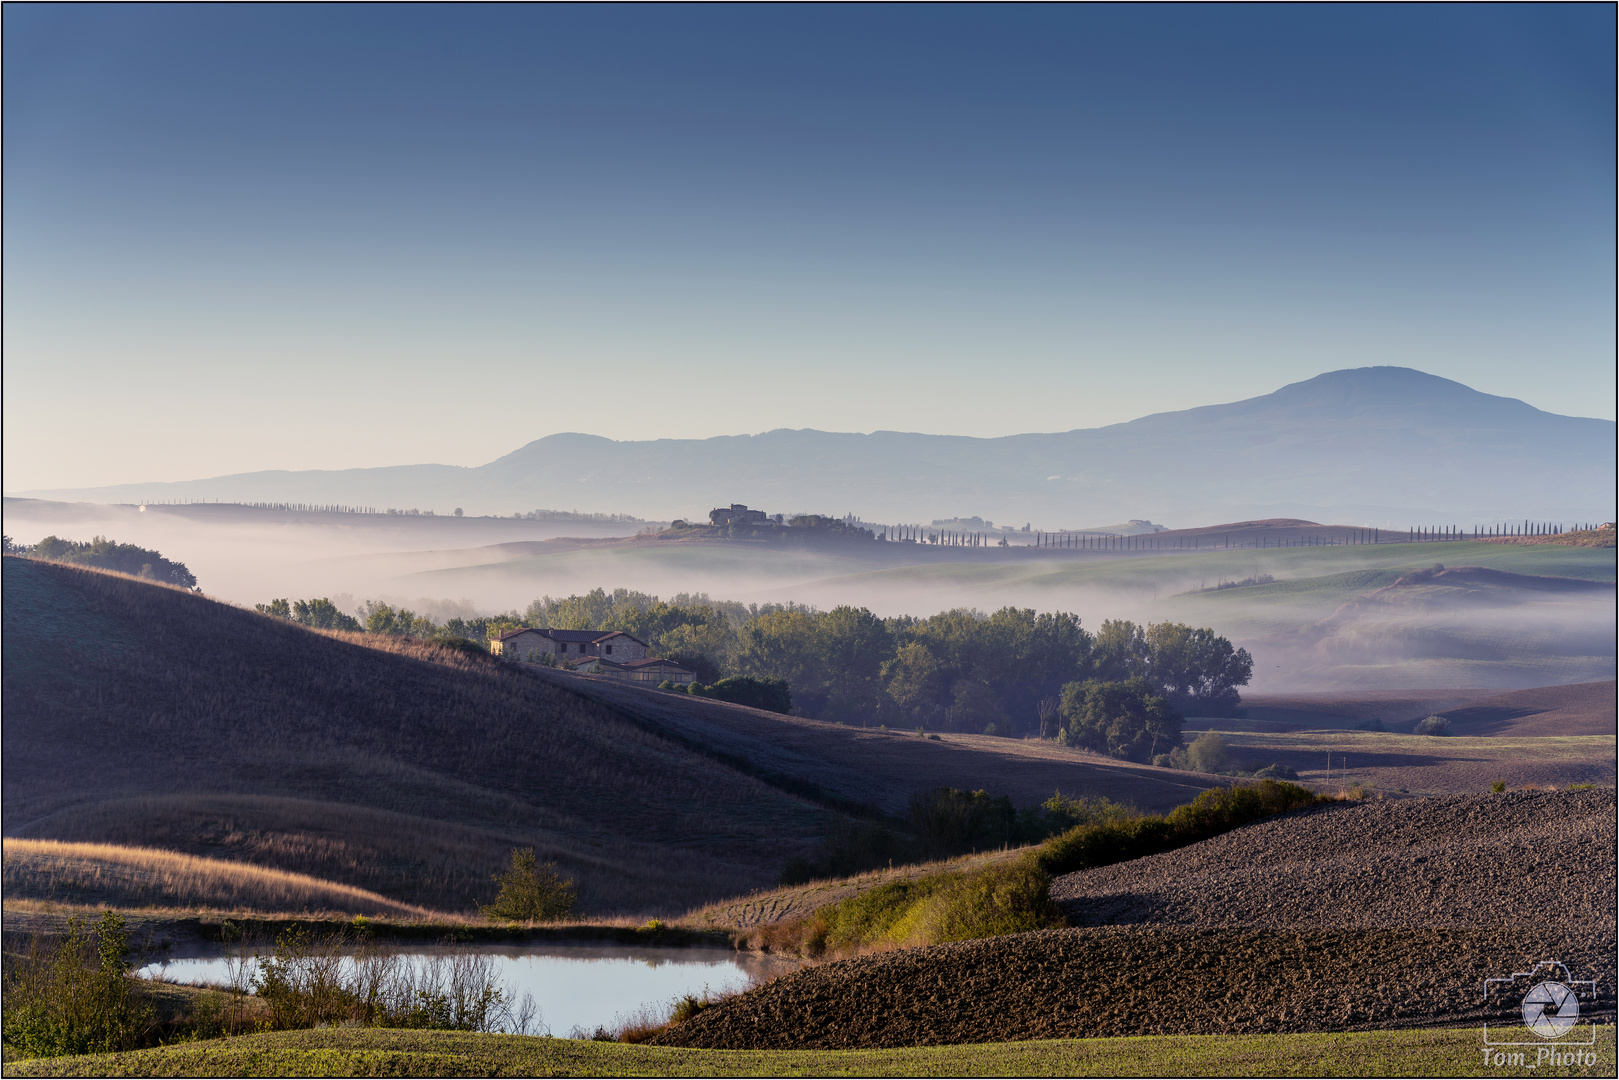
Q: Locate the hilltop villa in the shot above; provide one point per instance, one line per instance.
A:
(739, 514)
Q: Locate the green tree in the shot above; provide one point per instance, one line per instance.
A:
(1121, 652)
(1123, 718)
(276, 609)
(531, 891)
(322, 614)
(1198, 670)
(915, 681)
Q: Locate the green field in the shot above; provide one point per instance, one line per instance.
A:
(1453, 1052)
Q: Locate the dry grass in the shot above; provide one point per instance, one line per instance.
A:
(750, 917)
(132, 876)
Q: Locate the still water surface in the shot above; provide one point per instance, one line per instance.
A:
(575, 986)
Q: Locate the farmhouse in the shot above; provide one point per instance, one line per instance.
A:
(651, 671)
(529, 644)
(737, 514)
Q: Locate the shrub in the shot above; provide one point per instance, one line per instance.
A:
(1374, 724)
(1210, 814)
(1063, 813)
(76, 997)
(759, 693)
(1005, 898)
(1278, 771)
(952, 822)
(531, 891)
(848, 848)
(1432, 725)
(1498, 786)
(1207, 753)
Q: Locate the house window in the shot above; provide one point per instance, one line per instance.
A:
(609, 649)
(562, 647)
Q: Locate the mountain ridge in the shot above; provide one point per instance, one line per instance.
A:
(1375, 438)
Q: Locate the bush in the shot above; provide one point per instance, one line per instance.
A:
(1006, 898)
(1432, 725)
(1374, 724)
(849, 848)
(1277, 771)
(531, 891)
(1207, 753)
(76, 997)
(952, 822)
(1210, 814)
(313, 982)
(771, 694)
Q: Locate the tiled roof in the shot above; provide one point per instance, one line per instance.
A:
(572, 635)
(651, 661)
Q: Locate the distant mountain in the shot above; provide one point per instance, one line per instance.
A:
(1378, 445)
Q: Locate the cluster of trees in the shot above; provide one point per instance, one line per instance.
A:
(807, 528)
(320, 614)
(108, 555)
(1120, 691)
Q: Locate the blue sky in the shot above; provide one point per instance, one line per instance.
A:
(317, 237)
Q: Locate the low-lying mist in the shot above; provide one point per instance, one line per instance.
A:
(1313, 618)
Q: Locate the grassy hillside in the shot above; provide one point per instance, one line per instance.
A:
(330, 1052)
(148, 716)
(109, 874)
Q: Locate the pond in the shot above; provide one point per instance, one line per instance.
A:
(577, 987)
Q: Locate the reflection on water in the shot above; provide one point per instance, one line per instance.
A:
(575, 986)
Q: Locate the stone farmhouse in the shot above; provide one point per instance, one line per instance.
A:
(528, 644)
(652, 670)
(595, 652)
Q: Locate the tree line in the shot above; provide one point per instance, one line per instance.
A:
(105, 554)
(1120, 691)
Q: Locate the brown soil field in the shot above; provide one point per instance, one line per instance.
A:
(1446, 862)
(142, 715)
(1217, 956)
(1579, 709)
(1116, 981)
(1571, 709)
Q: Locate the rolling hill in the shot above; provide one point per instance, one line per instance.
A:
(143, 715)
(1381, 446)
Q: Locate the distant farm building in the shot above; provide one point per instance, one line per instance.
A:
(737, 514)
(651, 671)
(595, 652)
(530, 644)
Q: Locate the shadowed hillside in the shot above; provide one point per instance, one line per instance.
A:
(144, 715)
(137, 714)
